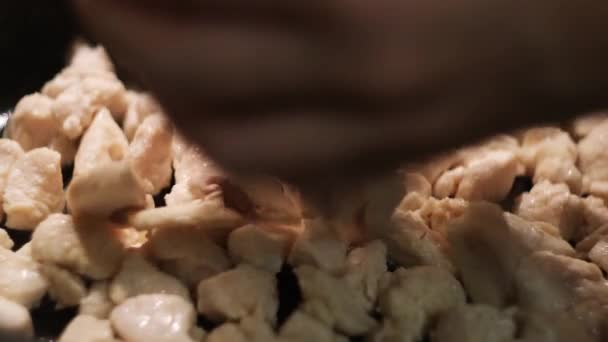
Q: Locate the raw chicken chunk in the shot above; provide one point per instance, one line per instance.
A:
(258, 246)
(554, 204)
(488, 178)
(188, 254)
(582, 126)
(487, 245)
(240, 292)
(102, 143)
(599, 254)
(301, 327)
(92, 58)
(475, 323)
(15, 321)
(97, 302)
(550, 154)
(10, 152)
(140, 106)
(138, 277)
(88, 248)
(85, 328)
(593, 161)
(228, 332)
(365, 266)
(151, 153)
(334, 302)
(73, 111)
(32, 124)
(154, 318)
(595, 214)
(105, 190)
(65, 288)
(21, 280)
(319, 246)
(34, 189)
(250, 329)
(5, 240)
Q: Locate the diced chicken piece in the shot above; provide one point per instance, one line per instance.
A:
(73, 111)
(97, 302)
(554, 204)
(154, 318)
(583, 125)
(65, 288)
(92, 58)
(595, 213)
(151, 153)
(10, 152)
(593, 161)
(301, 327)
(365, 267)
(32, 124)
(15, 321)
(599, 254)
(25, 251)
(438, 213)
(140, 106)
(585, 245)
(240, 292)
(5, 240)
(259, 246)
(21, 279)
(65, 147)
(433, 168)
(34, 189)
(334, 302)
(550, 154)
(319, 246)
(208, 215)
(416, 182)
(85, 328)
(488, 177)
(106, 190)
(487, 245)
(566, 290)
(102, 143)
(88, 248)
(411, 242)
(475, 323)
(228, 332)
(188, 253)
(138, 277)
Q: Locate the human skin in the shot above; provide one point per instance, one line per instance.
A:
(310, 89)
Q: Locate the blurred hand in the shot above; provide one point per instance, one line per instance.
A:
(307, 88)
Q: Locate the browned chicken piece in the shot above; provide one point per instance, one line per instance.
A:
(154, 317)
(259, 246)
(365, 266)
(583, 125)
(318, 245)
(88, 248)
(88, 328)
(140, 106)
(97, 302)
(151, 153)
(10, 152)
(301, 327)
(554, 204)
(413, 299)
(593, 161)
(486, 246)
(571, 293)
(15, 321)
(138, 277)
(550, 154)
(65, 288)
(334, 302)
(21, 280)
(238, 293)
(475, 323)
(105, 190)
(102, 143)
(411, 242)
(34, 189)
(188, 254)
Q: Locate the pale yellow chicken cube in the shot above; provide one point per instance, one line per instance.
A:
(238, 293)
(73, 111)
(365, 266)
(34, 189)
(140, 106)
(15, 321)
(10, 152)
(85, 328)
(97, 302)
(475, 323)
(583, 125)
(92, 58)
(151, 153)
(318, 245)
(88, 248)
(65, 288)
(21, 281)
(301, 327)
(154, 318)
(33, 124)
(593, 161)
(259, 246)
(250, 329)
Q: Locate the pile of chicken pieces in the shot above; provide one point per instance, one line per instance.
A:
(148, 236)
